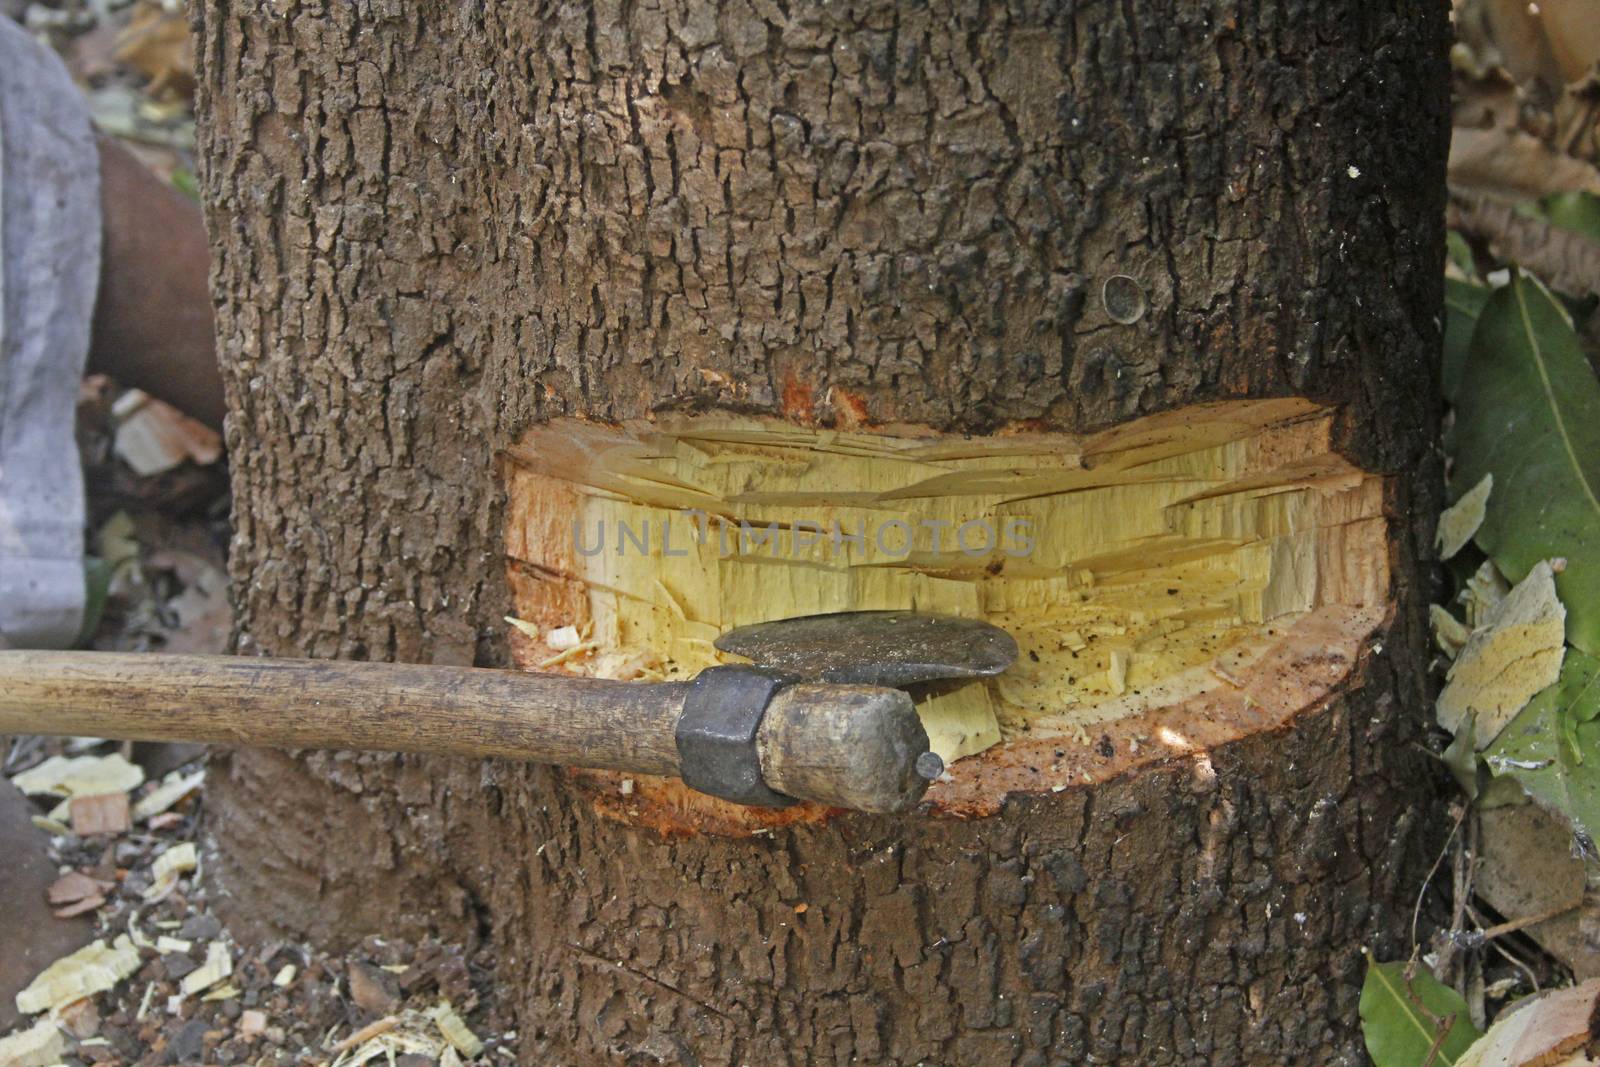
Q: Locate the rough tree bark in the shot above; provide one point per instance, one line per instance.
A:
(438, 226)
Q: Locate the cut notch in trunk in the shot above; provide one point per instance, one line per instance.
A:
(1174, 583)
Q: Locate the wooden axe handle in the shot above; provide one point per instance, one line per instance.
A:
(305, 703)
(849, 746)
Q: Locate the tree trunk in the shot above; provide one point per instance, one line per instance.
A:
(444, 232)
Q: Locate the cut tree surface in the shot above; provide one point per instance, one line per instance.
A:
(841, 216)
(1177, 582)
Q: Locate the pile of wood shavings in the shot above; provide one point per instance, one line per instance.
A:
(164, 982)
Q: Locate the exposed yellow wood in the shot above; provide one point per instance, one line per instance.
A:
(1128, 564)
(93, 968)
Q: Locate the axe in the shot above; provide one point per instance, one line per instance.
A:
(821, 713)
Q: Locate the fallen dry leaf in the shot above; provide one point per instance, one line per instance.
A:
(157, 43)
(1449, 633)
(1514, 654)
(1522, 41)
(1546, 1030)
(75, 886)
(1573, 33)
(1483, 593)
(1577, 117)
(1568, 261)
(82, 907)
(1515, 165)
(1524, 867)
(1462, 519)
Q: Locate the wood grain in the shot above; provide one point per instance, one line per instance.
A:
(389, 707)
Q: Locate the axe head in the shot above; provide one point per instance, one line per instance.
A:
(894, 649)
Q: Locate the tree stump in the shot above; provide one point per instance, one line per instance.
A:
(1157, 281)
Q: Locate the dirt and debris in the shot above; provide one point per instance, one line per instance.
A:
(163, 981)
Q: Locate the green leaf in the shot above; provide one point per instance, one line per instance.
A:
(1528, 410)
(1463, 302)
(184, 182)
(1577, 211)
(97, 575)
(1552, 747)
(1460, 253)
(1401, 1018)
(1461, 756)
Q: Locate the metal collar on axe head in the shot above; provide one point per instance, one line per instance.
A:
(722, 714)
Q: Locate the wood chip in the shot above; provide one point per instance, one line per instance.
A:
(103, 813)
(252, 1023)
(80, 776)
(173, 788)
(153, 436)
(570, 654)
(169, 867)
(367, 1033)
(53, 827)
(455, 1030)
(144, 1001)
(528, 629)
(218, 965)
(91, 969)
(563, 639)
(40, 1046)
(1117, 670)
